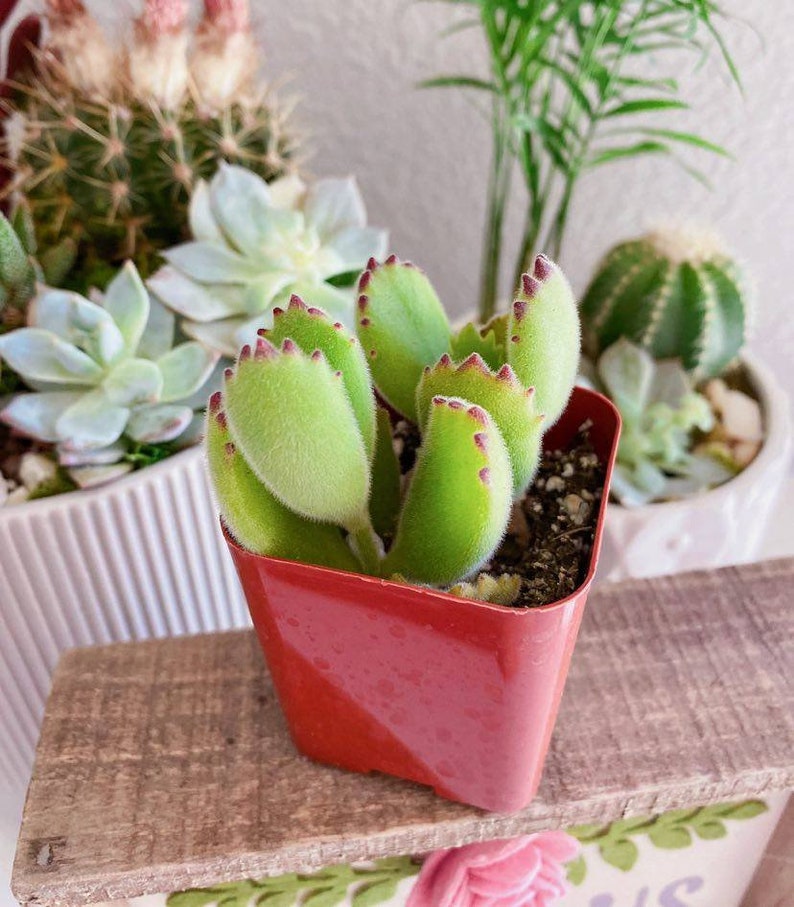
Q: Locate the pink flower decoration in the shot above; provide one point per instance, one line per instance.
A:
(522, 872)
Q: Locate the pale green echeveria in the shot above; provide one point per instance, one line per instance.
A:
(254, 244)
(661, 413)
(103, 372)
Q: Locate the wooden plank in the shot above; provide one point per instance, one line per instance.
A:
(165, 765)
(773, 883)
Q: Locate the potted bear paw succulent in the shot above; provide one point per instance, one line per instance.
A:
(381, 495)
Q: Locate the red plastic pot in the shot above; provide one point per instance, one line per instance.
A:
(458, 694)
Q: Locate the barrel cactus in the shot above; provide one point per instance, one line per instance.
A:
(256, 244)
(675, 294)
(310, 392)
(104, 375)
(107, 142)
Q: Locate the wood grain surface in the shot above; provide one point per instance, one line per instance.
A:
(164, 765)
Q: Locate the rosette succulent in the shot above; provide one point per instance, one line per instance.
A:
(300, 447)
(104, 374)
(662, 415)
(255, 244)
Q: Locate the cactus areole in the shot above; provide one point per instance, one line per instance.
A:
(361, 568)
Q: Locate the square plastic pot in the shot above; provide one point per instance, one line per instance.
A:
(461, 695)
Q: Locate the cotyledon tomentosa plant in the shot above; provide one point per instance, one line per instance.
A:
(300, 451)
(103, 373)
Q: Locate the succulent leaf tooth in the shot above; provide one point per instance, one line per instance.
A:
(474, 361)
(544, 352)
(228, 373)
(365, 322)
(372, 264)
(245, 353)
(289, 347)
(391, 260)
(277, 311)
(363, 302)
(529, 286)
(295, 302)
(315, 312)
(363, 281)
(485, 475)
(215, 401)
(229, 449)
(543, 267)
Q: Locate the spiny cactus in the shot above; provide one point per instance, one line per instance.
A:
(108, 142)
(105, 373)
(255, 244)
(676, 294)
(298, 444)
(660, 412)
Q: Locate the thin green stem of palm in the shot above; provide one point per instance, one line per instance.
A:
(561, 73)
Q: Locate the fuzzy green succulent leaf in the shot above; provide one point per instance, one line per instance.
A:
(290, 416)
(39, 355)
(458, 503)
(255, 518)
(311, 329)
(402, 328)
(500, 393)
(499, 590)
(471, 339)
(385, 499)
(543, 337)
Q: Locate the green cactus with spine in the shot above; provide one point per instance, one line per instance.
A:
(674, 293)
(300, 447)
(101, 156)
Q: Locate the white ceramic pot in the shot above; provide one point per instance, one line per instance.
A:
(719, 527)
(141, 557)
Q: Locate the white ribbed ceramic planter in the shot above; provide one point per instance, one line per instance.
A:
(142, 557)
(719, 527)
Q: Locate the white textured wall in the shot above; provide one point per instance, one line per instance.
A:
(422, 156)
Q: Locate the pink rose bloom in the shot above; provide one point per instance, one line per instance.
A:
(523, 872)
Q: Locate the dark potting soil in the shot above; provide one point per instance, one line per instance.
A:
(550, 536)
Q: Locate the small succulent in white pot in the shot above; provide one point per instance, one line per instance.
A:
(104, 376)
(255, 244)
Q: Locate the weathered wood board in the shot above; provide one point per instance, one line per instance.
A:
(164, 765)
